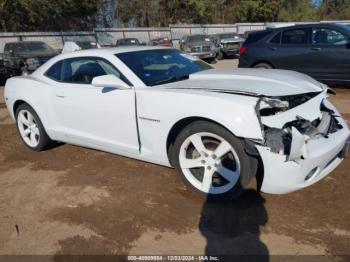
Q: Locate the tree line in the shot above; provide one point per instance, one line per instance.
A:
(66, 15)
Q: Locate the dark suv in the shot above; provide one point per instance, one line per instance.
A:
(20, 57)
(319, 50)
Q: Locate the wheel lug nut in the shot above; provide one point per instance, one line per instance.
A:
(209, 167)
(203, 162)
(205, 154)
(214, 156)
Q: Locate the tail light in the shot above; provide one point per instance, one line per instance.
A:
(242, 50)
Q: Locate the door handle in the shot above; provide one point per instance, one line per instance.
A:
(273, 48)
(316, 49)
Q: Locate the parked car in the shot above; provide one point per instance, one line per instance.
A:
(199, 46)
(228, 44)
(25, 57)
(319, 50)
(217, 128)
(163, 41)
(129, 42)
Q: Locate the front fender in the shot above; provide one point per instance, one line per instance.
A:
(159, 110)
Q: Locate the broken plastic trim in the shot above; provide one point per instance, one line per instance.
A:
(291, 139)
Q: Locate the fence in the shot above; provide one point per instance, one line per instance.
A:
(109, 36)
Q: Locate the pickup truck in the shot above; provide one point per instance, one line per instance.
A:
(25, 56)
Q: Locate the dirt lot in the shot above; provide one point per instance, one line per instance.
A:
(71, 200)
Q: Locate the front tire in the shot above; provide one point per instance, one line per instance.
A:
(30, 129)
(212, 162)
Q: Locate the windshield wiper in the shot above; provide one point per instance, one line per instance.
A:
(170, 79)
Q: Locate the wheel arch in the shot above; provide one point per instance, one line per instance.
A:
(179, 126)
(17, 103)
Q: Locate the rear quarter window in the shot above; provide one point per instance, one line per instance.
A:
(55, 71)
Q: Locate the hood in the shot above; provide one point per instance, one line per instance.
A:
(254, 82)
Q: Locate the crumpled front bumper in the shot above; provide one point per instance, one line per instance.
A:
(322, 154)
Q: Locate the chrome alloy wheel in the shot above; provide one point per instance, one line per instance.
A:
(28, 128)
(209, 163)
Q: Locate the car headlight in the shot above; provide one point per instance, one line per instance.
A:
(32, 61)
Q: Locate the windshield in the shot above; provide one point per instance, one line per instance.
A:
(155, 67)
(32, 46)
(198, 38)
(225, 36)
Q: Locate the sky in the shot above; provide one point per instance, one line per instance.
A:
(316, 2)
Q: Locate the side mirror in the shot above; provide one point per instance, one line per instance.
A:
(109, 81)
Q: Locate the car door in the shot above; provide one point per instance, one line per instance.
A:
(97, 117)
(330, 54)
(292, 53)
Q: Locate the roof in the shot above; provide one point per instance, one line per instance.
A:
(110, 51)
(302, 26)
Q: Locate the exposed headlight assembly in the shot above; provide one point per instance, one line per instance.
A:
(270, 106)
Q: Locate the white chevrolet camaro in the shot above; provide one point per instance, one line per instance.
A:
(218, 128)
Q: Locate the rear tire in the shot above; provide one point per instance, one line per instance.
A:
(30, 129)
(263, 66)
(212, 162)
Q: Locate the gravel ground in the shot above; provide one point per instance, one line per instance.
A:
(72, 200)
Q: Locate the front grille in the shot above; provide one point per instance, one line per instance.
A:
(206, 48)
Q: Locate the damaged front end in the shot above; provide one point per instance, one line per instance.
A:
(291, 138)
(304, 139)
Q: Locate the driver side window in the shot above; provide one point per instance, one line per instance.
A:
(83, 70)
